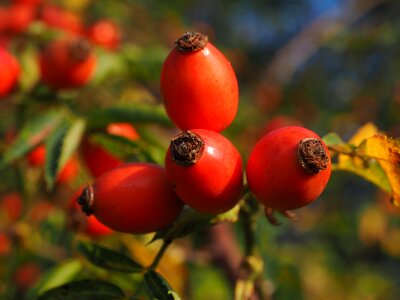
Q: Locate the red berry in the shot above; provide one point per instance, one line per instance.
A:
(27, 275)
(69, 172)
(56, 17)
(134, 198)
(9, 72)
(5, 244)
(97, 159)
(67, 64)
(199, 85)
(37, 156)
(288, 168)
(81, 222)
(104, 33)
(125, 130)
(205, 170)
(28, 2)
(20, 16)
(11, 206)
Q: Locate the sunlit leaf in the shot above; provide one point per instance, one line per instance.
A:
(60, 146)
(59, 275)
(108, 259)
(32, 134)
(84, 290)
(30, 70)
(387, 151)
(158, 288)
(353, 160)
(363, 133)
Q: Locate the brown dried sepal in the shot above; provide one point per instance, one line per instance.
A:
(85, 200)
(312, 155)
(187, 148)
(80, 49)
(191, 42)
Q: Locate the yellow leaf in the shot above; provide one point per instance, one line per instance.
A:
(386, 151)
(350, 159)
(363, 133)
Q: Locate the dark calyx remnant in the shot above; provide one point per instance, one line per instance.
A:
(191, 42)
(80, 49)
(313, 156)
(85, 200)
(186, 149)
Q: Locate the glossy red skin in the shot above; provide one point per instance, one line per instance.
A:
(87, 224)
(97, 159)
(104, 33)
(37, 156)
(60, 71)
(135, 198)
(274, 174)
(199, 89)
(214, 184)
(9, 72)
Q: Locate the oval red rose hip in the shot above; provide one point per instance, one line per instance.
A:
(199, 85)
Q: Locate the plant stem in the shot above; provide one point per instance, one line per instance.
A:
(160, 254)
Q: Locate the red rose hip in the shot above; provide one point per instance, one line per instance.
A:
(67, 64)
(288, 168)
(205, 170)
(134, 198)
(9, 72)
(199, 85)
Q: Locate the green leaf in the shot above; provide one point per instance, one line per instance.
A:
(87, 289)
(32, 134)
(132, 114)
(60, 146)
(108, 259)
(123, 147)
(72, 140)
(332, 139)
(30, 69)
(158, 288)
(60, 274)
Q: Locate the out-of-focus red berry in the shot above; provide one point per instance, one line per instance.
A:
(11, 206)
(37, 156)
(55, 17)
(104, 33)
(69, 171)
(27, 275)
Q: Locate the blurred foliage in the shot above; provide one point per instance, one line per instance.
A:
(346, 245)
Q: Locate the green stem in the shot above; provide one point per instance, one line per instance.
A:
(160, 254)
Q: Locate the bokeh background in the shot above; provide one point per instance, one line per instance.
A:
(331, 65)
